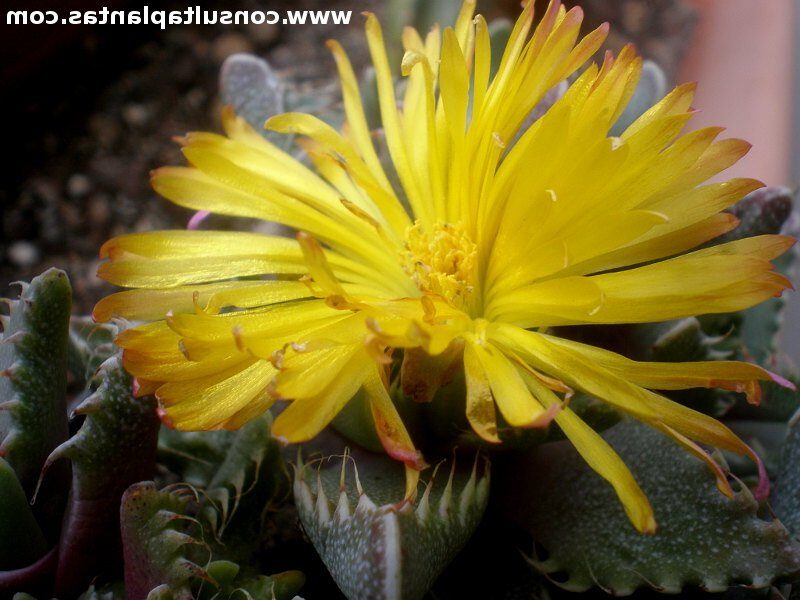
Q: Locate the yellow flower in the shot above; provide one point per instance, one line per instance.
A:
(492, 236)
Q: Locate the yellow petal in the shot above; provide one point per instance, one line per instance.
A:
(174, 366)
(728, 375)
(513, 398)
(720, 279)
(602, 458)
(480, 403)
(585, 374)
(354, 109)
(138, 305)
(391, 431)
(391, 121)
(309, 373)
(208, 402)
(454, 85)
(304, 418)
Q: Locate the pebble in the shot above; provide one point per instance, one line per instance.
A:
(78, 185)
(23, 254)
(136, 114)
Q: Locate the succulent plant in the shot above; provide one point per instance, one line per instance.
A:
(80, 510)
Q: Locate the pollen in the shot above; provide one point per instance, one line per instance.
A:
(441, 260)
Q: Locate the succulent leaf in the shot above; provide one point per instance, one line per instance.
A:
(703, 537)
(228, 583)
(786, 495)
(238, 473)
(21, 540)
(114, 448)
(164, 545)
(763, 211)
(376, 545)
(250, 85)
(33, 381)
(90, 344)
(242, 486)
(154, 540)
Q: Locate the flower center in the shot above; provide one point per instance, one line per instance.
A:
(441, 261)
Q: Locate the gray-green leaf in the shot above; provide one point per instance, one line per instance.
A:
(375, 545)
(703, 538)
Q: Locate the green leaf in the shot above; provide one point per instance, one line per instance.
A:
(164, 546)
(90, 344)
(238, 473)
(33, 376)
(375, 544)
(21, 540)
(155, 540)
(703, 538)
(238, 494)
(114, 448)
(786, 495)
(763, 211)
(251, 87)
(228, 583)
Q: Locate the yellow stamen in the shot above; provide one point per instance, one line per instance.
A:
(441, 261)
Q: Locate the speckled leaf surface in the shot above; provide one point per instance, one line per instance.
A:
(703, 538)
(154, 542)
(250, 85)
(237, 474)
(376, 546)
(786, 495)
(90, 344)
(114, 448)
(33, 375)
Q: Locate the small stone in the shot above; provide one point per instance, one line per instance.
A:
(228, 44)
(23, 254)
(78, 185)
(136, 114)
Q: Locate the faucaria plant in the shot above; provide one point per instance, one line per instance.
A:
(527, 263)
(464, 267)
(59, 533)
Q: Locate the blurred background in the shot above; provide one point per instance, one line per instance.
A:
(90, 110)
